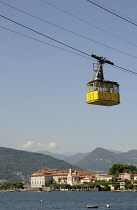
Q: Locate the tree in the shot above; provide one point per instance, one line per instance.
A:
(128, 185)
(11, 185)
(121, 168)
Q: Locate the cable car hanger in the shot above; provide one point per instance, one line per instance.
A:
(101, 91)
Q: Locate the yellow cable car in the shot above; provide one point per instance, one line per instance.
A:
(100, 91)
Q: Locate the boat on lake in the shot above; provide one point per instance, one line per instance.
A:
(92, 206)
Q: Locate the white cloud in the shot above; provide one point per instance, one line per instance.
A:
(39, 145)
(51, 145)
(28, 144)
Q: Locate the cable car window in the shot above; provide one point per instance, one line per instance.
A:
(111, 88)
(101, 86)
(116, 89)
(96, 86)
(106, 87)
(90, 88)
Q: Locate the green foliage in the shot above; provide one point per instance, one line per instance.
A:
(116, 185)
(11, 185)
(60, 186)
(65, 186)
(105, 188)
(101, 160)
(135, 188)
(76, 186)
(103, 183)
(128, 185)
(55, 186)
(18, 165)
(121, 168)
(91, 185)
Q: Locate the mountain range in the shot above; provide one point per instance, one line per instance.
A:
(100, 159)
(18, 165)
(74, 158)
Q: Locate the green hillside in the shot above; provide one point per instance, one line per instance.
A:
(131, 155)
(18, 165)
(100, 160)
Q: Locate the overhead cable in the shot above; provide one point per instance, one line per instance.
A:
(58, 42)
(73, 32)
(127, 70)
(116, 11)
(43, 35)
(43, 42)
(113, 13)
(80, 19)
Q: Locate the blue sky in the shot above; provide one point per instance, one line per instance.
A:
(43, 89)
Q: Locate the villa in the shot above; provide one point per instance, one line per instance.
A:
(46, 176)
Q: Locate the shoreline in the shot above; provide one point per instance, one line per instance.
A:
(61, 190)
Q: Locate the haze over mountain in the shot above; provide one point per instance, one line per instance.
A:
(131, 155)
(68, 158)
(116, 152)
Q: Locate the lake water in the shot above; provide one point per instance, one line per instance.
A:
(67, 200)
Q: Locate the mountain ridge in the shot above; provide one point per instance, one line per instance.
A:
(68, 158)
(101, 160)
(18, 165)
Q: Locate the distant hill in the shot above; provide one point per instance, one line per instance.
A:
(76, 157)
(116, 152)
(68, 158)
(18, 165)
(55, 155)
(131, 155)
(100, 160)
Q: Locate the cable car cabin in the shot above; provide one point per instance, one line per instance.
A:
(101, 92)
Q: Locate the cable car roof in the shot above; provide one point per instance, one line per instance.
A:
(102, 81)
